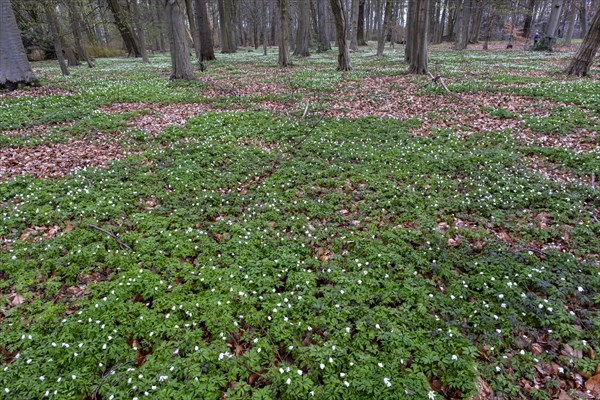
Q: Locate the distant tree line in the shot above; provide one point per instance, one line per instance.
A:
(76, 31)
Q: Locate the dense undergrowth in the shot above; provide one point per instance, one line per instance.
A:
(290, 255)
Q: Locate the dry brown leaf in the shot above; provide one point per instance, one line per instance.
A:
(16, 299)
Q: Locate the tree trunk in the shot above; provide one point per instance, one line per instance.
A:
(303, 34)
(554, 18)
(360, 31)
(15, 70)
(384, 28)
(583, 16)
(341, 27)
(228, 44)
(265, 27)
(139, 27)
(571, 21)
(205, 37)
(52, 24)
(180, 52)
(75, 22)
(528, 18)
(464, 19)
(476, 18)
(410, 27)
(284, 36)
(323, 11)
(419, 40)
(353, 29)
(189, 8)
(124, 28)
(582, 62)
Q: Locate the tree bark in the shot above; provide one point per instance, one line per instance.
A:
(323, 11)
(139, 27)
(462, 31)
(341, 27)
(189, 8)
(353, 29)
(15, 70)
(124, 28)
(582, 62)
(180, 52)
(52, 25)
(571, 21)
(205, 37)
(554, 18)
(360, 31)
(284, 37)
(75, 21)
(384, 28)
(419, 40)
(303, 34)
(528, 18)
(228, 44)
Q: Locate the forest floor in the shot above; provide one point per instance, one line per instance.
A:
(287, 233)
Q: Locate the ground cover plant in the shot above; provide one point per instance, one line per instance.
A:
(295, 233)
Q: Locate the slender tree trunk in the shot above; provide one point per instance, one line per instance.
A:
(582, 62)
(189, 9)
(476, 18)
(204, 33)
(52, 24)
(353, 29)
(341, 27)
(124, 28)
(410, 31)
(360, 31)
(284, 37)
(75, 21)
(464, 19)
(529, 13)
(228, 44)
(139, 27)
(303, 34)
(323, 11)
(265, 27)
(384, 28)
(180, 52)
(583, 16)
(15, 70)
(571, 20)
(555, 13)
(419, 53)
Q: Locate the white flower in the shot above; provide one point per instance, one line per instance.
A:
(342, 374)
(73, 377)
(300, 372)
(580, 289)
(42, 378)
(431, 394)
(322, 366)
(387, 382)
(6, 390)
(454, 357)
(380, 365)
(347, 383)
(289, 380)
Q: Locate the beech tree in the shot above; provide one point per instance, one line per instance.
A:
(341, 26)
(582, 62)
(15, 70)
(205, 38)
(284, 37)
(419, 18)
(180, 51)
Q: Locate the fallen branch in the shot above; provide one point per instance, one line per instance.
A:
(112, 235)
(438, 80)
(106, 375)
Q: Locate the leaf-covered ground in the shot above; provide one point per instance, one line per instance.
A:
(287, 234)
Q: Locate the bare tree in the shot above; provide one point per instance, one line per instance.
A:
(582, 62)
(205, 38)
(75, 21)
(180, 52)
(284, 37)
(384, 28)
(139, 27)
(122, 22)
(226, 18)
(341, 27)
(53, 26)
(303, 34)
(419, 38)
(15, 70)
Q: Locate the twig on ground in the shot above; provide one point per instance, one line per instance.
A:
(106, 375)
(305, 109)
(438, 80)
(112, 235)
